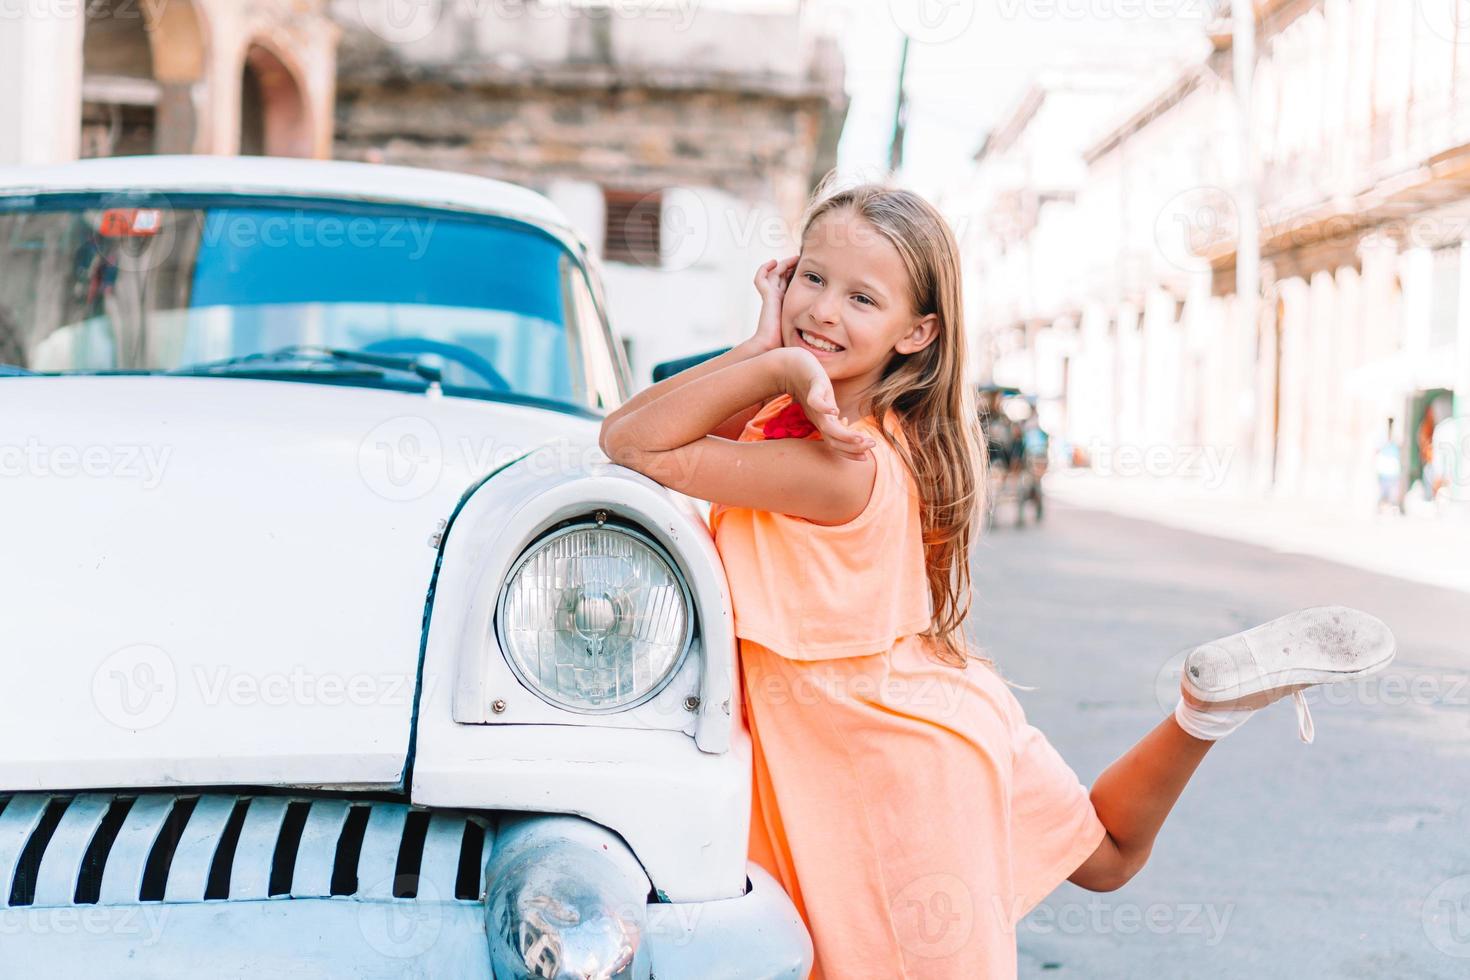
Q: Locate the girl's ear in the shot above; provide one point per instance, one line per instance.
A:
(921, 335)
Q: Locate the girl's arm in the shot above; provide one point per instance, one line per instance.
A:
(730, 427)
(827, 481)
(771, 280)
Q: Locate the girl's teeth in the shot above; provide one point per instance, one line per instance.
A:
(819, 344)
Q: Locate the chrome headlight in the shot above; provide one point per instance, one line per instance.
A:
(595, 618)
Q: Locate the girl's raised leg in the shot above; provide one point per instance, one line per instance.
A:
(1224, 683)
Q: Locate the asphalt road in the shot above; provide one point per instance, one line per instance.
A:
(1349, 857)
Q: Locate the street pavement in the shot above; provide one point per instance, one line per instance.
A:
(1346, 858)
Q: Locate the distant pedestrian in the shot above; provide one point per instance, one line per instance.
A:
(1388, 464)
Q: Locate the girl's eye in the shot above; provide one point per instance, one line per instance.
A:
(864, 299)
(812, 277)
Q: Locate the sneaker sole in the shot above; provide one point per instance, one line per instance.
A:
(1323, 635)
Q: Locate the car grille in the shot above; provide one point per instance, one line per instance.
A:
(121, 848)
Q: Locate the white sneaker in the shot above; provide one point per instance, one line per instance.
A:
(1253, 668)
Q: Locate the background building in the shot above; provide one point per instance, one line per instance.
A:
(120, 77)
(682, 139)
(1115, 296)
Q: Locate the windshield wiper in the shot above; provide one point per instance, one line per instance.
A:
(322, 360)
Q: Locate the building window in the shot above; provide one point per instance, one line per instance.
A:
(631, 228)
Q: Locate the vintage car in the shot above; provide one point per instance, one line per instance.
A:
(333, 644)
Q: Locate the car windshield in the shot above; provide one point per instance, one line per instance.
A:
(92, 284)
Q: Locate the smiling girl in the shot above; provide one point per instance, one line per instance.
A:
(900, 796)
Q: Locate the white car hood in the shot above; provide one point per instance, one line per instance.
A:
(223, 581)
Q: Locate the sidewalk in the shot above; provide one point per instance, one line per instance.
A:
(1418, 548)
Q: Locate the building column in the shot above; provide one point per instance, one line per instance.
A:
(41, 72)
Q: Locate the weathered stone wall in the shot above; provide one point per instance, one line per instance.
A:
(750, 104)
(754, 147)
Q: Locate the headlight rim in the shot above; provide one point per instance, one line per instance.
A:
(638, 533)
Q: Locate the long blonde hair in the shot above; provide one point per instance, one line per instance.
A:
(928, 392)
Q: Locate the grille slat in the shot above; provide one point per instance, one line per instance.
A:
(251, 876)
(317, 855)
(440, 864)
(188, 874)
(122, 849)
(380, 843)
(17, 824)
(56, 882)
(122, 876)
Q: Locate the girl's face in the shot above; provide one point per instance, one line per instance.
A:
(849, 300)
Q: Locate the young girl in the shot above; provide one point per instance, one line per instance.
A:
(900, 796)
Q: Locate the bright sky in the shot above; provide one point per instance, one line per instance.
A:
(969, 60)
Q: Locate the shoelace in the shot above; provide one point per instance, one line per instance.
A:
(1304, 726)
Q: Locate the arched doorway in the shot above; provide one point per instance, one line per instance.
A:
(274, 120)
(142, 65)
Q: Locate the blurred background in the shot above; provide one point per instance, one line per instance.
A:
(1174, 243)
(1216, 292)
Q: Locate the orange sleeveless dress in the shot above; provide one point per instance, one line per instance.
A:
(907, 807)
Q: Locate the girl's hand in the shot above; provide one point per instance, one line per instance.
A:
(804, 379)
(771, 281)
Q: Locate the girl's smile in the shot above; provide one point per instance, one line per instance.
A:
(818, 344)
